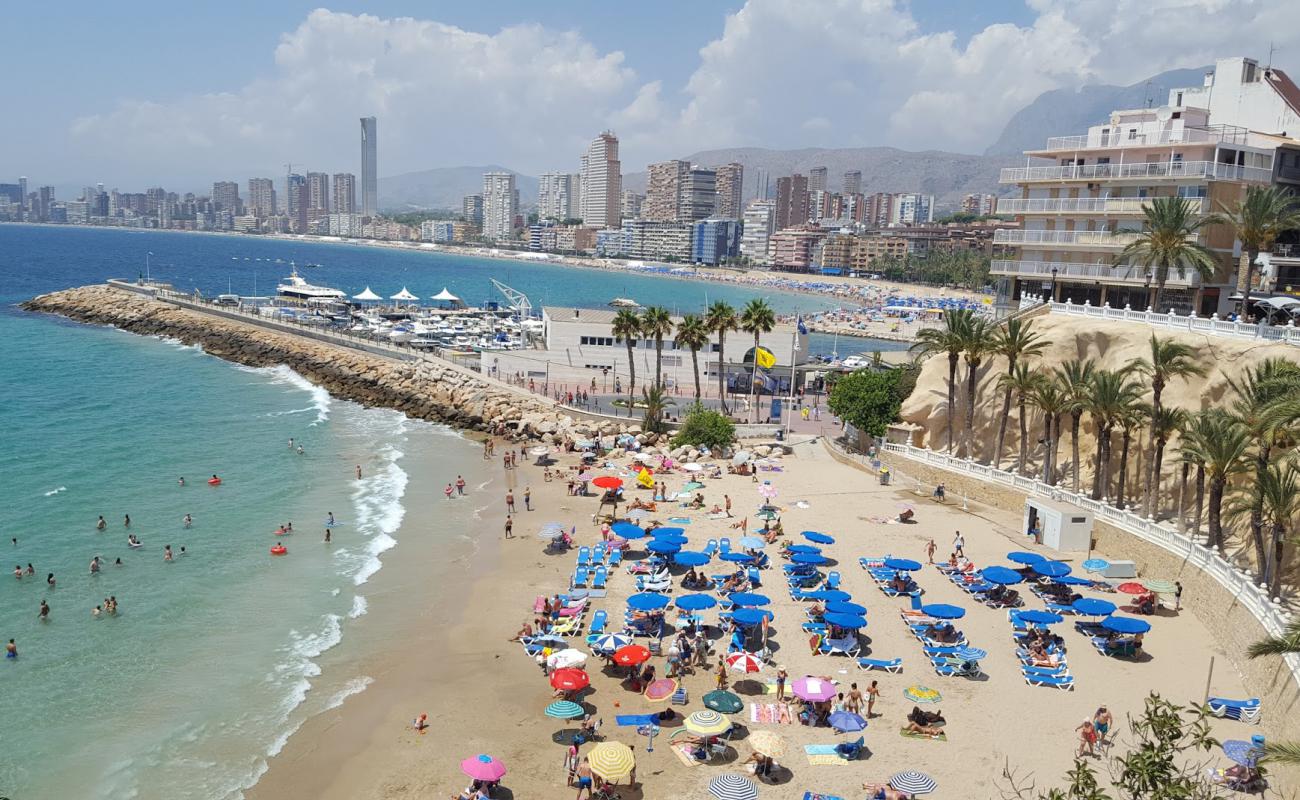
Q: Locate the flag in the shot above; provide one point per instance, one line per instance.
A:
(803, 329)
(764, 358)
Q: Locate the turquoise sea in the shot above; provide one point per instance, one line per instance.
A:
(212, 660)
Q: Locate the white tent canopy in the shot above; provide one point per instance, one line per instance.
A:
(366, 296)
(405, 294)
(1279, 302)
(446, 296)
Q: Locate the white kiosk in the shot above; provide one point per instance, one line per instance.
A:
(1060, 526)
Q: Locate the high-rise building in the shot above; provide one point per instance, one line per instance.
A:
(731, 182)
(699, 195)
(500, 205)
(714, 240)
(852, 183)
(817, 179)
(631, 204)
(225, 196)
(912, 209)
(22, 184)
(759, 221)
(296, 198)
(602, 182)
(762, 187)
(554, 197)
(472, 210)
(261, 197)
(663, 191)
(345, 193)
(369, 167)
(318, 195)
(791, 201)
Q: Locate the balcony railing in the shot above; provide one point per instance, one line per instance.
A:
(1086, 205)
(1122, 138)
(1126, 274)
(1064, 238)
(1159, 170)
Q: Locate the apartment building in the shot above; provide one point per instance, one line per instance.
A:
(1081, 197)
(730, 182)
(757, 227)
(602, 182)
(794, 248)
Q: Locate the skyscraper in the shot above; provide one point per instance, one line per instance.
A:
(472, 209)
(731, 180)
(602, 182)
(663, 192)
(225, 196)
(852, 182)
(345, 193)
(554, 197)
(791, 201)
(758, 227)
(295, 202)
(500, 205)
(369, 165)
(699, 196)
(22, 184)
(318, 195)
(261, 197)
(817, 179)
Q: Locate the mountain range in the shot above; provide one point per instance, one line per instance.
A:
(947, 176)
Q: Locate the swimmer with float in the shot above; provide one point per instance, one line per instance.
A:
(214, 481)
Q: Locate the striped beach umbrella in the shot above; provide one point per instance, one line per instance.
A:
(744, 662)
(922, 694)
(768, 743)
(733, 787)
(612, 761)
(565, 709)
(707, 723)
(1159, 586)
(610, 642)
(913, 782)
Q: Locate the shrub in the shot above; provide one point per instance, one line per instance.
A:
(704, 427)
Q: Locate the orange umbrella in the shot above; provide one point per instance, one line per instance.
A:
(631, 655)
(608, 482)
(569, 679)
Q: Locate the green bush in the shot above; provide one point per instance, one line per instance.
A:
(704, 427)
(867, 399)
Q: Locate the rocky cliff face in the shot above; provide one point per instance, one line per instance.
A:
(423, 389)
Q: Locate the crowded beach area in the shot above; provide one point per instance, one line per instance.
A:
(763, 623)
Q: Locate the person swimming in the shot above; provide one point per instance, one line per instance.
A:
(131, 541)
(327, 535)
(167, 553)
(118, 562)
(188, 520)
(126, 522)
(49, 579)
(330, 521)
(300, 450)
(181, 482)
(101, 525)
(94, 565)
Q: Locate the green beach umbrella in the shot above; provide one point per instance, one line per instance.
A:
(723, 701)
(766, 515)
(1159, 586)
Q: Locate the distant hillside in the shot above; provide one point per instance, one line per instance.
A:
(1067, 112)
(947, 176)
(444, 187)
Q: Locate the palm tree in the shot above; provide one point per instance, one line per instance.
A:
(656, 402)
(1277, 492)
(1285, 643)
(1219, 443)
(1014, 341)
(1167, 360)
(627, 329)
(657, 323)
(757, 318)
(693, 334)
(1075, 379)
(1111, 395)
(949, 339)
(1164, 423)
(720, 318)
(1266, 409)
(1257, 221)
(1048, 399)
(1168, 240)
(1130, 421)
(979, 341)
(1023, 382)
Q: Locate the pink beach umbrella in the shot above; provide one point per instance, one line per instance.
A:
(767, 490)
(815, 689)
(483, 768)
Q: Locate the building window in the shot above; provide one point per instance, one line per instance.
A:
(1132, 134)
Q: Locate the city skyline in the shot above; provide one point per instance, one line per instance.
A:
(298, 75)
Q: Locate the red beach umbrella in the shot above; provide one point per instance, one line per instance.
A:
(607, 482)
(631, 655)
(1132, 587)
(569, 679)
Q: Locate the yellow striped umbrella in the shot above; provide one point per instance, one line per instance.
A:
(707, 723)
(768, 743)
(612, 761)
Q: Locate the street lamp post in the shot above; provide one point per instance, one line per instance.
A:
(1054, 271)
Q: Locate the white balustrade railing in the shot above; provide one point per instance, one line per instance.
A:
(1270, 612)
(1155, 170)
(1085, 205)
(1210, 326)
(1067, 238)
(1144, 137)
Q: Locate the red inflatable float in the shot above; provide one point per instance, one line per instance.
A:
(279, 550)
(214, 481)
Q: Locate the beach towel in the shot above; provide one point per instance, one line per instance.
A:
(770, 713)
(822, 755)
(683, 752)
(818, 796)
(942, 737)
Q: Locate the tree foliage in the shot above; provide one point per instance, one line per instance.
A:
(868, 400)
(967, 269)
(704, 427)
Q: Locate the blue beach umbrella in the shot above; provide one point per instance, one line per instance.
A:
(751, 616)
(661, 532)
(971, 654)
(1039, 617)
(846, 722)
(671, 538)
(1002, 575)
(627, 530)
(1072, 580)
(827, 595)
(691, 558)
(1125, 624)
(943, 611)
(647, 601)
(845, 607)
(738, 558)
(1247, 754)
(1096, 564)
(819, 538)
(1021, 557)
(803, 548)
(902, 564)
(695, 602)
(808, 558)
(656, 546)
(752, 543)
(1092, 607)
(845, 620)
(1052, 569)
(611, 642)
(749, 599)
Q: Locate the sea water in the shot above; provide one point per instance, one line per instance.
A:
(213, 658)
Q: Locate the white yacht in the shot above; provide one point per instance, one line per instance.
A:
(296, 288)
(624, 302)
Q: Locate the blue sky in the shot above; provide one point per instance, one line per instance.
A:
(180, 93)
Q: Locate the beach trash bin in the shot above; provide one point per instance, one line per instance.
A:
(780, 435)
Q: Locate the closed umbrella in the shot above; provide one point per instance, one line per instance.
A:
(819, 538)
(814, 689)
(483, 768)
(847, 722)
(565, 709)
(902, 564)
(749, 599)
(1021, 557)
(631, 655)
(569, 679)
(1052, 569)
(707, 723)
(1125, 624)
(913, 783)
(744, 662)
(695, 602)
(943, 611)
(851, 621)
(733, 787)
(612, 761)
(845, 607)
(768, 743)
(690, 558)
(1001, 575)
(647, 601)
(724, 701)
(1092, 607)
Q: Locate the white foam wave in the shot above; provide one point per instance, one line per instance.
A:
(280, 374)
(53, 492)
(378, 507)
(359, 606)
(483, 485)
(355, 686)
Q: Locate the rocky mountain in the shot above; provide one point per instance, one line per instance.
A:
(445, 187)
(1065, 112)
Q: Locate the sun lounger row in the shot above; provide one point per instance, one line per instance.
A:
(589, 578)
(598, 555)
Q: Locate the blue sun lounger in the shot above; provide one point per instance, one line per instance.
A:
(584, 556)
(580, 577)
(1064, 683)
(599, 577)
(1243, 710)
(893, 665)
(598, 622)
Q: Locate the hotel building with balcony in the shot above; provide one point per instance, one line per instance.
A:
(1082, 197)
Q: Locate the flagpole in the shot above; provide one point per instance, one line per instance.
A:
(794, 350)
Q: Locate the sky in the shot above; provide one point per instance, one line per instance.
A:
(181, 94)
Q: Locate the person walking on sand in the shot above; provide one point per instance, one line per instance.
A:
(447, 491)
(1178, 596)
(781, 676)
(930, 547)
(528, 498)
(1087, 739)
(959, 545)
(726, 504)
(854, 701)
(510, 502)
(873, 694)
(460, 486)
(583, 779)
(510, 527)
